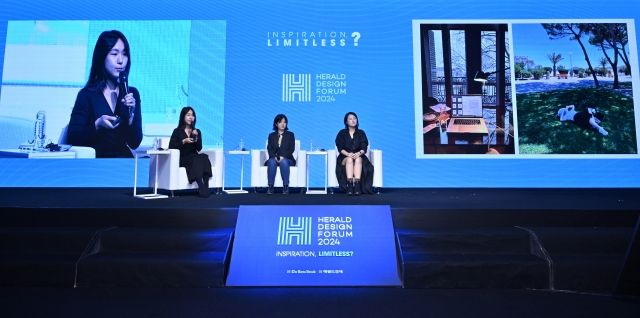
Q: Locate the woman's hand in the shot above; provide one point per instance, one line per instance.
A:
(354, 156)
(106, 121)
(187, 141)
(194, 133)
(130, 102)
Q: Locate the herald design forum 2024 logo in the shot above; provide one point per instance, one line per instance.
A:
(296, 86)
(328, 87)
(300, 230)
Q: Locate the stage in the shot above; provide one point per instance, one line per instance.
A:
(595, 199)
(456, 247)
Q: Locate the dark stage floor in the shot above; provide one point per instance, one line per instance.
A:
(606, 199)
(412, 209)
(309, 302)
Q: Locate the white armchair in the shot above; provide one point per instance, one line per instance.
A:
(298, 173)
(374, 155)
(173, 177)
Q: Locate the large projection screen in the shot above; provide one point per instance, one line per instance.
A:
(403, 68)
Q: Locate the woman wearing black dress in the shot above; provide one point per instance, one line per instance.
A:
(354, 171)
(188, 140)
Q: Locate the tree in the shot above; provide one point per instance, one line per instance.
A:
(538, 73)
(620, 39)
(609, 36)
(623, 69)
(575, 31)
(489, 54)
(603, 64)
(489, 45)
(623, 40)
(555, 59)
(458, 53)
(518, 71)
(522, 65)
(562, 69)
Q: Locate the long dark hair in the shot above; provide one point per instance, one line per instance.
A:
(347, 116)
(183, 113)
(278, 119)
(106, 41)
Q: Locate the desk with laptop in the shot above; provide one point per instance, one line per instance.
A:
(466, 121)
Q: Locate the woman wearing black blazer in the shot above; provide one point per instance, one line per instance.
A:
(354, 171)
(106, 116)
(280, 147)
(188, 140)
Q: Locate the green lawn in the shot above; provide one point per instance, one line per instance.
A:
(540, 131)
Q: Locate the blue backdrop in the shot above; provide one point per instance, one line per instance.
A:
(262, 42)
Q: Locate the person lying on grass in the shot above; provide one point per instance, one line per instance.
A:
(588, 118)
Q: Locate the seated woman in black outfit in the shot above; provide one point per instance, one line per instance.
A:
(354, 171)
(280, 147)
(105, 116)
(188, 140)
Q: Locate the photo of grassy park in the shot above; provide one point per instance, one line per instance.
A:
(573, 85)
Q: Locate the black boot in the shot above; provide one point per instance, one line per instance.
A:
(349, 187)
(202, 189)
(206, 186)
(285, 189)
(270, 189)
(356, 187)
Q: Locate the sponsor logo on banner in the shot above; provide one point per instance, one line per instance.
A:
(290, 229)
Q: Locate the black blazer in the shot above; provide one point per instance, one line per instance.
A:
(108, 143)
(185, 149)
(287, 147)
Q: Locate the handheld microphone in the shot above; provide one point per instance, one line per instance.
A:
(123, 78)
(124, 81)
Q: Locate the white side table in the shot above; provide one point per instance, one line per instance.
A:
(241, 153)
(155, 194)
(326, 173)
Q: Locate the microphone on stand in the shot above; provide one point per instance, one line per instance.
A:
(38, 133)
(123, 78)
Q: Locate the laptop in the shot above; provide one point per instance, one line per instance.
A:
(466, 115)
